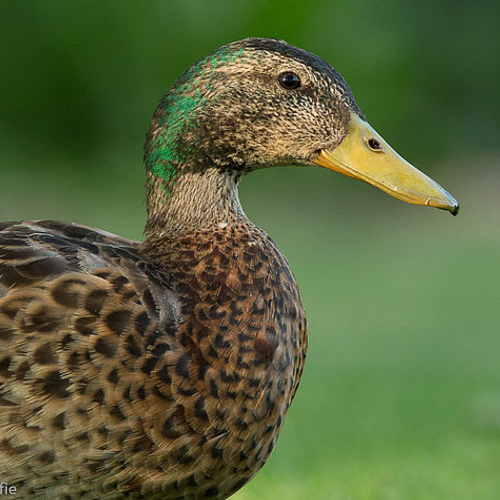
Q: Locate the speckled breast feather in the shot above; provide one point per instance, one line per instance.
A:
(161, 371)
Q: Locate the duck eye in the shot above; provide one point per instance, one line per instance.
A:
(289, 80)
(374, 145)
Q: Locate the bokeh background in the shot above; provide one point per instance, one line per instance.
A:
(401, 394)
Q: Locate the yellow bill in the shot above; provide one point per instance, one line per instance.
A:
(364, 155)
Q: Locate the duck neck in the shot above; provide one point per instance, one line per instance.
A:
(195, 199)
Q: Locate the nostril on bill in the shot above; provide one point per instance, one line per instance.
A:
(374, 145)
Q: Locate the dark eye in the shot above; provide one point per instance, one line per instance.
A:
(289, 80)
(374, 145)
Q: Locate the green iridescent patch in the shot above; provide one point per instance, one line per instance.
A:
(179, 110)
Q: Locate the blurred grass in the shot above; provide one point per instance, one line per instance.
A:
(401, 397)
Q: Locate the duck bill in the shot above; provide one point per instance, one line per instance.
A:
(364, 155)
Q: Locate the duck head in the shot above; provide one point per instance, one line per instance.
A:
(260, 102)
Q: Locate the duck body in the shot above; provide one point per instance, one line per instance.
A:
(164, 369)
(154, 378)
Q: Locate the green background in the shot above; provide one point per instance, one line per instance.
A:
(400, 398)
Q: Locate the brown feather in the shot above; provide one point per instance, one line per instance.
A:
(112, 384)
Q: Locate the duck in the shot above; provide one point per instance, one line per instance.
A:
(164, 368)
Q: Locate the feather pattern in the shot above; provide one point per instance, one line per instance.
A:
(126, 375)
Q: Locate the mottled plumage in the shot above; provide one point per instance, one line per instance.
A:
(119, 374)
(164, 369)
